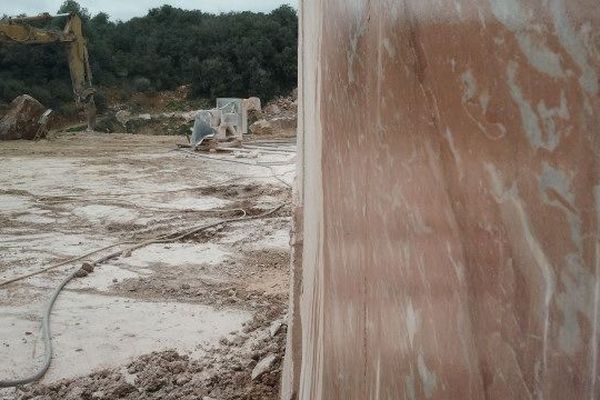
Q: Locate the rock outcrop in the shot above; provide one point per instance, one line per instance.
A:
(22, 121)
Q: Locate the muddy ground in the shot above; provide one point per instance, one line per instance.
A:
(190, 319)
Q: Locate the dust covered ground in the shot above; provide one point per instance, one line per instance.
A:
(191, 319)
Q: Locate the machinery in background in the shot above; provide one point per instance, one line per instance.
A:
(228, 121)
(19, 30)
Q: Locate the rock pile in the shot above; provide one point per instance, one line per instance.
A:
(279, 117)
(281, 107)
(262, 127)
(246, 365)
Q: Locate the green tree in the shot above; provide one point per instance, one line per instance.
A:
(232, 54)
(71, 6)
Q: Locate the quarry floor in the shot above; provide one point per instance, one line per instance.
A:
(180, 320)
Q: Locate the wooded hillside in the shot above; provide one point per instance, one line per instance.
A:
(235, 54)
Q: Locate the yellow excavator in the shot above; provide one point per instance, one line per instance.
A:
(19, 30)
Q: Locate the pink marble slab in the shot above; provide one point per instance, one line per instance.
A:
(447, 213)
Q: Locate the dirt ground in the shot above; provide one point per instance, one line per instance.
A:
(191, 319)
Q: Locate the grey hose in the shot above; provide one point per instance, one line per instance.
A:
(47, 339)
(46, 334)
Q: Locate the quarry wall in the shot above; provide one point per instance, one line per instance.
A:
(448, 201)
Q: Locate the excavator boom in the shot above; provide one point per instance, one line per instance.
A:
(18, 30)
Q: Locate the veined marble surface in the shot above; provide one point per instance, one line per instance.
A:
(448, 207)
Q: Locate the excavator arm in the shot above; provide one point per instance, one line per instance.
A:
(18, 30)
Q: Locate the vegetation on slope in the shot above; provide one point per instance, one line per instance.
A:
(235, 54)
